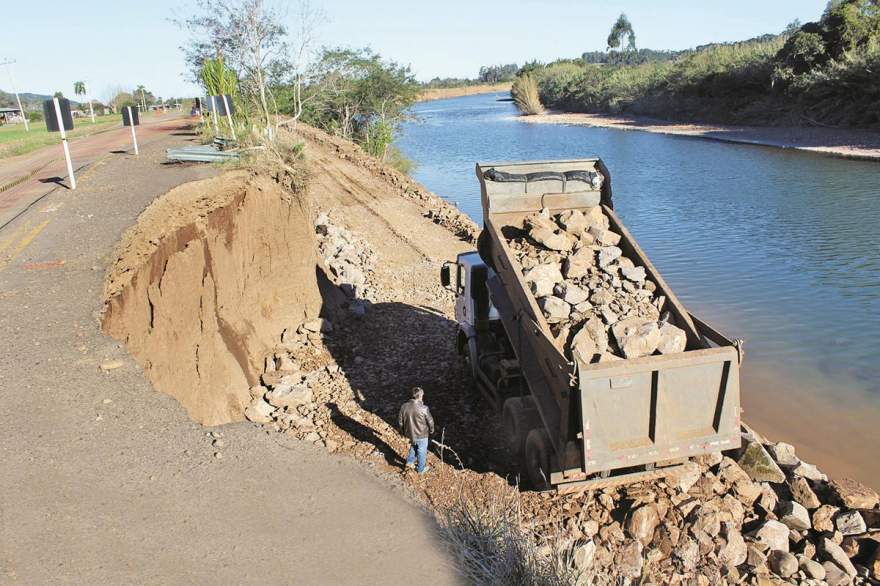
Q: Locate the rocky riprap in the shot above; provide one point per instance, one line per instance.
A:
(758, 515)
(598, 303)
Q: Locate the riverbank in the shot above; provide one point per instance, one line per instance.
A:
(839, 142)
(465, 90)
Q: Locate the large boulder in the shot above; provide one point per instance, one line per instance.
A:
(850, 523)
(578, 265)
(758, 464)
(672, 339)
(803, 493)
(784, 454)
(794, 516)
(543, 278)
(853, 494)
(641, 523)
(774, 534)
(550, 239)
(289, 396)
(782, 563)
(734, 552)
(830, 551)
(259, 411)
(635, 337)
(608, 254)
(554, 308)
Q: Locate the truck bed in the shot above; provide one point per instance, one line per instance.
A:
(620, 414)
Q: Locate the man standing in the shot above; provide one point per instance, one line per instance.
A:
(416, 423)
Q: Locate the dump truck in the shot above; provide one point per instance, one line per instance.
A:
(575, 424)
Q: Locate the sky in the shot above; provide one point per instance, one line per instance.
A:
(128, 43)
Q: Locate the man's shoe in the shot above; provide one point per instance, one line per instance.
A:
(425, 469)
(410, 464)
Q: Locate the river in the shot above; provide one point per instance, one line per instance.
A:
(776, 247)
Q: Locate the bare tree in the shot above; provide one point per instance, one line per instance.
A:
(249, 36)
(308, 20)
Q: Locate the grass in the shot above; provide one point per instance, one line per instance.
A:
(487, 538)
(525, 95)
(14, 140)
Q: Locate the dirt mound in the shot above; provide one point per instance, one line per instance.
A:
(201, 283)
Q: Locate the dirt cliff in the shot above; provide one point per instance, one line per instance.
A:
(201, 283)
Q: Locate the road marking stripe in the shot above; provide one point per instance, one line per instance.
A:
(7, 242)
(24, 243)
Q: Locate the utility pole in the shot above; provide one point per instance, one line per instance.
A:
(7, 63)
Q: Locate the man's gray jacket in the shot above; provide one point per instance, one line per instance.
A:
(415, 420)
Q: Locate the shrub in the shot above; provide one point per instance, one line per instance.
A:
(525, 95)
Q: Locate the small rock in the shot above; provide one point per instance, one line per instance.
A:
(755, 557)
(590, 528)
(574, 295)
(850, 546)
(109, 365)
(808, 471)
(774, 534)
(259, 411)
(822, 518)
(850, 523)
(577, 265)
(811, 568)
(783, 453)
(672, 339)
(794, 515)
(318, 324)
(687, 475)
(803, 493)
(583, 556)
(543, 278)
(833, 552)
(604, 237)
(554, 308)
(218, 455)
(758, 464)
(782, 563)
(634, 274)
(734, 552)
(834, 576)
(853, 494)
(629, 561)
(289, 396)
(608, 254)
(550, 239)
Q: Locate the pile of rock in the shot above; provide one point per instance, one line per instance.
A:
(350, 260)
(755, 515)
(599, 304)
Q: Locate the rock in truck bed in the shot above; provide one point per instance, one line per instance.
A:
(598, 303)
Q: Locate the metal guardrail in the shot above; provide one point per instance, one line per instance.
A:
(200, 154)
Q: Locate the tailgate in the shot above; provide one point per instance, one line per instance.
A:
(658, 408)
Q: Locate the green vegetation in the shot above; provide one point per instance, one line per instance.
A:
(823, 73)
(15, 141)
(359, 96)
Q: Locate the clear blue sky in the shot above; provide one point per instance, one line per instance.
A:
(129, 43)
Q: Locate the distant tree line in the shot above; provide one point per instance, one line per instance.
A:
(825, 72)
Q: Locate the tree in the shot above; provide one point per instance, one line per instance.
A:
(79, 88)
(355, 94)
(250, 38)
(620, 28)
(58, 95)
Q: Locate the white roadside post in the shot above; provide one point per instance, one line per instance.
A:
(15, 91)
(134, 138)
(229, 116)
(214, 115)
(91, 111)
(64, 143)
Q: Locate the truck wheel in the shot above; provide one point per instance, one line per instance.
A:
(515, 423)
(537, 459)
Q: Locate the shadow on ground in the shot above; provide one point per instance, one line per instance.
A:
(395, 347)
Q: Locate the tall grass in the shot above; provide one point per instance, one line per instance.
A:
(525, 95)
(491, 547)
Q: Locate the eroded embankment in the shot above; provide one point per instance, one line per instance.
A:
(200, 283)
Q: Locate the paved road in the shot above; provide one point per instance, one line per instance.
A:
(105, 481)
(43, 170)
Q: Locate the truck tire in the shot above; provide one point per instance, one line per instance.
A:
(537, 459)
(516, 425)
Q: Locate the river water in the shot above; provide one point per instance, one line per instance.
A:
(776, 247)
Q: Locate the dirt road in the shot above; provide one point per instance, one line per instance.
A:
(105, 480)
